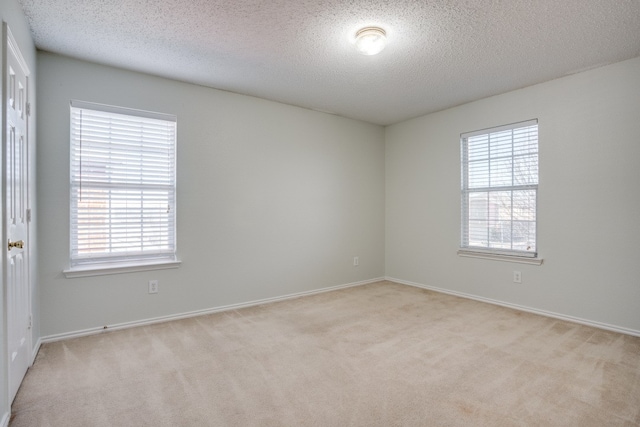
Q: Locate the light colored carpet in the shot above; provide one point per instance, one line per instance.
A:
(376, 355)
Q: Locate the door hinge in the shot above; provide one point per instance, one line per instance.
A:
(28, 215)
(30, 321)
(28, 108)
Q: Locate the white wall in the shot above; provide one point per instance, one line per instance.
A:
(588, 200)
(272, 199)
(11, 13)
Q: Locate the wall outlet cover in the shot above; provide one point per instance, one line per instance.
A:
(153, 286)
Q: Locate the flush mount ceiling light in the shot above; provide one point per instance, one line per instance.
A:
(371, 40)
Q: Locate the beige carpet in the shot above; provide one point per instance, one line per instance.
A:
(377, 355)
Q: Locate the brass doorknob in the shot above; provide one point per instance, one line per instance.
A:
(18, 244)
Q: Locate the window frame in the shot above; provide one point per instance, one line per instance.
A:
(486, 250)
(122, 188)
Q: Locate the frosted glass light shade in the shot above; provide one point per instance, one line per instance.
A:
(371, 40)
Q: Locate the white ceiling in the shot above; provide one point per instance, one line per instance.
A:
(440, 53)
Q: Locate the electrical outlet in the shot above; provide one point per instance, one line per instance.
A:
(356, 261)
(153, 286)
(517, 277)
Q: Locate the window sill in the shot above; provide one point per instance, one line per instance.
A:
(102, 270)
(496, 257)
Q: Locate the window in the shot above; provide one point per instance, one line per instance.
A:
(123, 186)
(499, 189)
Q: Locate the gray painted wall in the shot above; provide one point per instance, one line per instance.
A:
(588, 200)
(272, 199)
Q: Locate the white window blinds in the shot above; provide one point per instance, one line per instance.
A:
(499, 189)
(123, 185)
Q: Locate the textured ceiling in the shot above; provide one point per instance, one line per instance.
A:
(440, 53)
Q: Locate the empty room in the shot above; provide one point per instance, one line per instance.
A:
(321, 213)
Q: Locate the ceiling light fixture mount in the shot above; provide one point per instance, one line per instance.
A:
(371, 40)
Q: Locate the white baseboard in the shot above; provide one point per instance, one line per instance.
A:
(551, 314)
(34, 351)
(5, 419)
(93, 331)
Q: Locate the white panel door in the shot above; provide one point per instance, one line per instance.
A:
(16, 177)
